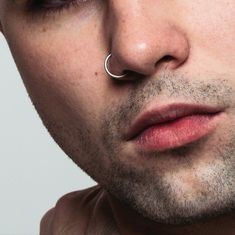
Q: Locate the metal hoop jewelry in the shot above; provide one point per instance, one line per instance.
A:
(106, 67)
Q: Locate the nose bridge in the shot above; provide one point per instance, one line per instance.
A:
(141, 36)
(131, 27)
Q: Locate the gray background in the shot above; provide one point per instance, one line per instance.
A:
(34, 172)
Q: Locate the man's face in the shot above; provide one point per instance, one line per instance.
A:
(177, 53)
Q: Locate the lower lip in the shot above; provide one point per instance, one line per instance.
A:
(177, 133)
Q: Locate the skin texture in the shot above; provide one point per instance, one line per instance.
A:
(175, 51)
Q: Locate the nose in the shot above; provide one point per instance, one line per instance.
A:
(143, 39)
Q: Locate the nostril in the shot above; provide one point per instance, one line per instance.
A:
(166, 58)
(166, 61)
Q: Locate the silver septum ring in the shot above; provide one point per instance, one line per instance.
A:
(106, 67)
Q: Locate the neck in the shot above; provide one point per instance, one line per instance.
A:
(130, 222)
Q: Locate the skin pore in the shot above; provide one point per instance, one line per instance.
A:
(176, 52)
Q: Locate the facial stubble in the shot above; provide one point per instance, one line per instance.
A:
(155, 189)
(158, 190)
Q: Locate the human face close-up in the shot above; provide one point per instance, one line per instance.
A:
(161, 140)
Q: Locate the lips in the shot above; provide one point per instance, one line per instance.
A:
(172, 126)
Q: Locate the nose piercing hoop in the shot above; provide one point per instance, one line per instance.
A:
(106, 67)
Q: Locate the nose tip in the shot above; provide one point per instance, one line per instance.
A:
(133, 57)
(145, 47)
(150, 54)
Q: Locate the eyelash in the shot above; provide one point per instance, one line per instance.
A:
(51, 6)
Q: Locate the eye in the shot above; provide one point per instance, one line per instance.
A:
(34, 6)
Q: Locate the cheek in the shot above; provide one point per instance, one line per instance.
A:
(60, 79)
(212, 28)
(60, 70)
(63, 73)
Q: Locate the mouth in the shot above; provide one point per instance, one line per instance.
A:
(171, 126)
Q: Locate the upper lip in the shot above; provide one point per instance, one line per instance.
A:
(164, 114)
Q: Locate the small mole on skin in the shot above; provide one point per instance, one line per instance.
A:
(44, 30)
(96, 74)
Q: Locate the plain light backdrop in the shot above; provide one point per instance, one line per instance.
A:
(34, 171)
